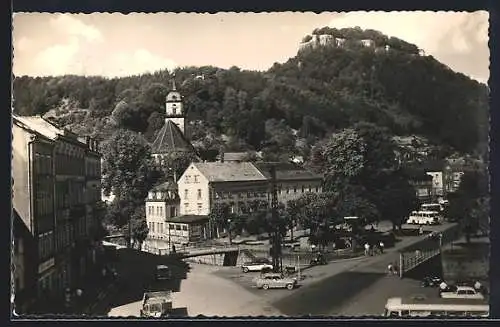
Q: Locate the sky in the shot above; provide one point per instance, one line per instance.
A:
(120, 45)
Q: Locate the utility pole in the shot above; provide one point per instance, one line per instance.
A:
(276, 249)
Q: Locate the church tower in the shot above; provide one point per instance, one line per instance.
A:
(174, 109)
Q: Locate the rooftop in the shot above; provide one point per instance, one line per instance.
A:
(170, 139)
(40, 125)
(45, 127)
(287, 171)
(168, 185)
(188, 219)
(230, 171)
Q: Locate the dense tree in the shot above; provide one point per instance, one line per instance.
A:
(127, 176)
(470, 203)
(319, 91)
(218, 216)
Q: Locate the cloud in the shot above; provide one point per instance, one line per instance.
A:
(81, 50)
(59, 59)
(70, 25)
(136, 62)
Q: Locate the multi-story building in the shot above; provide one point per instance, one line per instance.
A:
(292, 180)
(239, 184)
(162, 203)
(33, 202)
(235, 184)
(50, 189)
(437, 182)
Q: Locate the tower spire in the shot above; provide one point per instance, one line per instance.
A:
(173, 82)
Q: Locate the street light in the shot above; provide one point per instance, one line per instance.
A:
(229, 231)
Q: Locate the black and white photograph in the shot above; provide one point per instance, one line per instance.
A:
(279, 164)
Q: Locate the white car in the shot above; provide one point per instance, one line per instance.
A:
(462, 292)
(257, 265)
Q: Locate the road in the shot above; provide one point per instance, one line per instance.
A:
(347, 287)
(196, 290)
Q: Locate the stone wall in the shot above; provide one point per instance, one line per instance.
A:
(221, 259)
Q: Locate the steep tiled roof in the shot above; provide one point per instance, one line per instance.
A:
(286, 171)
(40, 125)
(230, 171)
(168, 185)
(170, 139)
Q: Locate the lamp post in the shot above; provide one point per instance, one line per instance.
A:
(169, 242)
(229, 231)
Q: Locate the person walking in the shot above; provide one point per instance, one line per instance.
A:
(381, 246)
(390, 269)
(367, 249)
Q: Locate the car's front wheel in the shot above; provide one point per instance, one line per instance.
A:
(289, 286)
(245, 269)
(265, 286)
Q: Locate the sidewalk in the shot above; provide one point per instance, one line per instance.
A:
(370, 264)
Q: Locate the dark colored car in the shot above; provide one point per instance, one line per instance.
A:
(431, 281)
(318, 260)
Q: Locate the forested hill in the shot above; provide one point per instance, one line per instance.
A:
(325, 87)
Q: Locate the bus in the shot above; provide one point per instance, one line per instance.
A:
(431, 207)
(422, 307)
(424, 218)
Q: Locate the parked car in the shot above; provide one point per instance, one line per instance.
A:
(318, 260)
(275, 280)
(462, 292)
(431, 281)
(257, 265)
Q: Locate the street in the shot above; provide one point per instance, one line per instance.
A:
(349, 287)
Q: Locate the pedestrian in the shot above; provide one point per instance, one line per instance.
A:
(390, 269)
(477, 286)
(381, 246)
(367, 249)
(420, 230)
(443, 286)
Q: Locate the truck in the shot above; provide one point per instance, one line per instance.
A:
(461, 292)
(156, 304)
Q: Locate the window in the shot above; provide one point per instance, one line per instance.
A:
(174, 110)
(199, 194)
(177, 227)
(186, 193)
(200, 206)
(302, 189)
(196, 178)
(287, 190)
(153, 229)
(316, 189)
(161, 227)
(295, 189)
(161, 211)
(171, 226)
(173, 212)
(184, 227)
